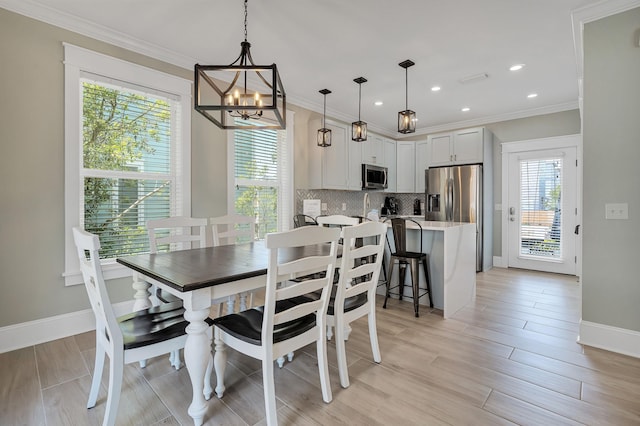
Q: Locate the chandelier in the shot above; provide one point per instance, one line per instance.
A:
(241, 95)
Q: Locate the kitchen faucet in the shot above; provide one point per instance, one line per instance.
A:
(365, 204)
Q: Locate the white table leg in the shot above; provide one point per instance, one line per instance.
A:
(197, 352)
(219, 363)
(142, 294)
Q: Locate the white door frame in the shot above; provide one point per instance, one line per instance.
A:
(536, 145)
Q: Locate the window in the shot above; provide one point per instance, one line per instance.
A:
(127, 151)
(261, 170)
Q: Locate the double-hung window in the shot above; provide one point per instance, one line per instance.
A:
(127, 153)
(260, 167)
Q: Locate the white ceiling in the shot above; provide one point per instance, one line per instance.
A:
(319, 44)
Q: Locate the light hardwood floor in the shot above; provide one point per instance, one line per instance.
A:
(510, 357)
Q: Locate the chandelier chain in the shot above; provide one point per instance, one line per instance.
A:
(245, 20)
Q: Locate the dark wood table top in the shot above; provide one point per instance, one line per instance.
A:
(188, 270)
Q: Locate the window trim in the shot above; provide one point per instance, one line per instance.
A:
(289, 166)
(78, 60)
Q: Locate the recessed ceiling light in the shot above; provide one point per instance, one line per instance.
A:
(532, 95)
(465, 109)
(435, 88)
(516, 67)
(377, 103)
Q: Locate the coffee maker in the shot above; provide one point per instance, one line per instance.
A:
(390, 207)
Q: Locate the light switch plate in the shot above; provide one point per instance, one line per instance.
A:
(616, 211)
(344, 206)
(323, 207)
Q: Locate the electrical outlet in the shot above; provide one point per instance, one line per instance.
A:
(616, 211)
(344, 206)
(323, 207)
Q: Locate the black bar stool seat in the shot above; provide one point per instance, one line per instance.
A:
(406, 259)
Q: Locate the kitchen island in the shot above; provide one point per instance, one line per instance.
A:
(451, 247)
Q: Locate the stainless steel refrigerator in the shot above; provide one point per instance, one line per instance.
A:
(454, 194)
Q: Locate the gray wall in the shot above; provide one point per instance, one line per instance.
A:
(611, 138)
(32, 169)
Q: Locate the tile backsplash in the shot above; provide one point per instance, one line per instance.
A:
(353, 200)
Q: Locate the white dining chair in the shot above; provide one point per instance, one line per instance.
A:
(355, 293)
(288, 320)
(175, 233)
(131, 338)
(234, 229)
(337, 220)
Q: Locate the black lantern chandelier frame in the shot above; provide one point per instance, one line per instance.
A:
(324, 134)
(407, 118)
(224, 93)
(359, 128)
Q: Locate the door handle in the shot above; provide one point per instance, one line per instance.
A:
(512, 210)
(577, 230)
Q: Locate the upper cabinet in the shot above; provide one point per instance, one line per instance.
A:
(337, 166)
(390, 163)
(460, 147)
(405, 166)
(373, 150)
(422, 164)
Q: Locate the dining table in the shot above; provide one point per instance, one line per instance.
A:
(198, 276)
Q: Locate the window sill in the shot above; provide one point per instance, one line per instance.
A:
(110, 270)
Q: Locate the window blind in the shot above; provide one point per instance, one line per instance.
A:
(128, 164)
(541, 208)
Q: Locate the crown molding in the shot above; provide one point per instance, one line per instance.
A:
(78, 25)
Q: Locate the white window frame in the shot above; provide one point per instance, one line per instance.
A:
(286, 194)
(77, 61)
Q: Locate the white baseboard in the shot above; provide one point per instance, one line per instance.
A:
(500, 262)
(614, 339)
(31, 333)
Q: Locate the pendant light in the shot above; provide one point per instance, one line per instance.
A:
(406, 118)
(324, 134)
(359, 128)
(242, 90)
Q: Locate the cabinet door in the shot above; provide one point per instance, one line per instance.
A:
(354, 172)
(335, 159)
(405, 167)
(467, 146)
(422, 163)
(440, 149)
(373, 150)
(390, 164)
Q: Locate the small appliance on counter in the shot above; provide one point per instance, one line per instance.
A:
(390, 207)
(417, 209)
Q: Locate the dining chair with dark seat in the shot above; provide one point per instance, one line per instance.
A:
(288, 320)
(404, 259)
(355, 293)
(130, 338)
(303, 220)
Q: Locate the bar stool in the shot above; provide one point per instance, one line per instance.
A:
(404, 259)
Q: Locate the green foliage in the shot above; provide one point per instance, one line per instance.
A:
(120, 129)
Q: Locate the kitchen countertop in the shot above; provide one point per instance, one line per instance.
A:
(428, 225)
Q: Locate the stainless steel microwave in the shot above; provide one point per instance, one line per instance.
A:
(374, 177)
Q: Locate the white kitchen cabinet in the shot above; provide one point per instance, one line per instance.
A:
(337, 166)
(405, 167)
(373, 150)
(422, 163)
(390, 162)
(354, 164)
(466, 146)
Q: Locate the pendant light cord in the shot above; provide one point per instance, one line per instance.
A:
(406, 88)
(359, 99)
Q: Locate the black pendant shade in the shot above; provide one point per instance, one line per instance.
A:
(359, 128)
(324, 134)
(407, 118)
(242, 90)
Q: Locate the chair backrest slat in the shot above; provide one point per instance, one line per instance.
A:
(360, 266)
(337, 220)
(278, 288)
(88, 248)
(177, 233)
(229, 229)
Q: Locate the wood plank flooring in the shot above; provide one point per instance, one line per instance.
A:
(510, 357)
